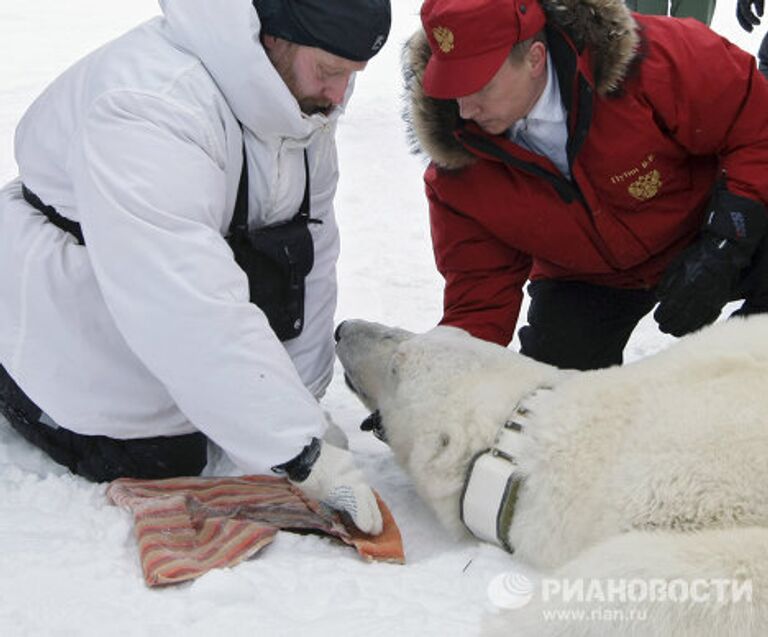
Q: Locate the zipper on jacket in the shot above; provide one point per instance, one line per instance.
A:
(571, 81)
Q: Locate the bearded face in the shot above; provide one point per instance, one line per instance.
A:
(317, 79)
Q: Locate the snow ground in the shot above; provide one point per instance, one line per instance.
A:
(68, 560)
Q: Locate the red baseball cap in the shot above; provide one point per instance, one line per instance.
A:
(470, 40)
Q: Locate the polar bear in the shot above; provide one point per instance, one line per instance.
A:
(653, 472)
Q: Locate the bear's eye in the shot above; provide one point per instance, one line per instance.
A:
(445, 440)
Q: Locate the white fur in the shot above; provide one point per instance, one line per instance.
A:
(657, 469)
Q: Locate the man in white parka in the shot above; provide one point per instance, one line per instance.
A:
(127, 331)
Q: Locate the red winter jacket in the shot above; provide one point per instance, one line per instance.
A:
(656, 115)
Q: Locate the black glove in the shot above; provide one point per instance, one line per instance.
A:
(762, 56)
(748, 13)
(703, 279)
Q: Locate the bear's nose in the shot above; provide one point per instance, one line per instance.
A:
(337, 332)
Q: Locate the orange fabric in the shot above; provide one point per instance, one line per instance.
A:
(187, 526)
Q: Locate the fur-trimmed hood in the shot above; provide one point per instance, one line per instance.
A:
(606, 27)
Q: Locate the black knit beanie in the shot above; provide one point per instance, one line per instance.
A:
(352, 29)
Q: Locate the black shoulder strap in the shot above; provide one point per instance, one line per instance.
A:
(239, 224)
(303, 212)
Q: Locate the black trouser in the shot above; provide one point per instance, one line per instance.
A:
(576, 325)
(99, 458)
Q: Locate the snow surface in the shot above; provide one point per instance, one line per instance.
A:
(68, 559)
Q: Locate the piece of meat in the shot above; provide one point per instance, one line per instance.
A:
(186, 526)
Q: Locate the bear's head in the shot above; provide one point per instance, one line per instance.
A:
(441, 397)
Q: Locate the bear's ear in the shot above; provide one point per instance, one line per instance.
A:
(412, 359)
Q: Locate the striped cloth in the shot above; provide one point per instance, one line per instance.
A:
(187, 526)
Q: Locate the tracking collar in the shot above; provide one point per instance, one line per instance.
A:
(494, 479)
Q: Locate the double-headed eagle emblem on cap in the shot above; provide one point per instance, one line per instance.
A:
(444, 38)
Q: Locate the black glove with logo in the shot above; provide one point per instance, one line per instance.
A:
(703, 279)
(748, 13)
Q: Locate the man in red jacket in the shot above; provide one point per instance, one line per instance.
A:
(614, 160)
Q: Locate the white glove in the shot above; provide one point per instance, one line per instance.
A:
(335, 481)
